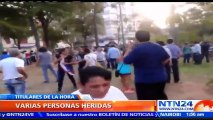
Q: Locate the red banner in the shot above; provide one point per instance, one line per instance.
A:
(75, 106)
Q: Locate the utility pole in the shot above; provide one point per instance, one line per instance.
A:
(121, 22)
(95, 25)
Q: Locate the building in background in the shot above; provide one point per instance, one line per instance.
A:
(26, 44)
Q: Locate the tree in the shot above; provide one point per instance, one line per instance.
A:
(119, 5)
(13, 23)
(83, 21)
(196, 23)
(148, 25)
(97, 8)
(49, 11)
(173, 21)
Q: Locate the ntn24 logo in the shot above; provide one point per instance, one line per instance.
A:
(175, 103)
(198, 105)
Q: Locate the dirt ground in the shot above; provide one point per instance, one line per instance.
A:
(186, 89)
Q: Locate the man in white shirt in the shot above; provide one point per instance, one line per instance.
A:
(90, 58)
(167, 66)
(197, 53)
(14, 75)
(95, 81)
(101, 57)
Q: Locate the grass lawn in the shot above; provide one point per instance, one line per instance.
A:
(198, 73)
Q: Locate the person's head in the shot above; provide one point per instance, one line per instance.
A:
(186, 44)
(142, 36)
(170, 41)
(99, 49)
(205, 42)
(42, 49)
(95, 81)
(80, 50)
(196, 42)
(86, 50)
(63, 51)
(14, 52)
(161, 43)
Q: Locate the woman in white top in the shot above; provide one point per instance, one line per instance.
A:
(90, 58)
(95, 81)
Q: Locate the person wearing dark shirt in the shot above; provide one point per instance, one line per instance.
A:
(81, 53)
(68, 65)
(63, 55)
(148, 60)
(205, 50)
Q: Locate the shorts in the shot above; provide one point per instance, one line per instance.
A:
(125, 74)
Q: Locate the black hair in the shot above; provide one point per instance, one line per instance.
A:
(61, 50)
(86, 50)
(112, 45)
(81, 65)
(161, 43)
(93, 71)
(142, 36)
(170, 41)
(42, 49)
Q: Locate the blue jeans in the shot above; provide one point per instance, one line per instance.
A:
(15, 86)
(186, 58)
(45, 72)
(113, 63)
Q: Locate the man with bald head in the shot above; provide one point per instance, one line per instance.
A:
(14, 75)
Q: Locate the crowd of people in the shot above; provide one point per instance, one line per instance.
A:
(197, 51)
(153, 64)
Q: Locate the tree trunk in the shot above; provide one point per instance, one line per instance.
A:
(95, 26)
(35, 33)
(118, 35)
(121, 20)
(44, 23)
(19, 43)
(85, 40)
(45, 36)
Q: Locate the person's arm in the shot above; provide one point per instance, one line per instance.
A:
(130, 55)
(57, 59)
(20, 68)
(86, 59)
(165, 57)
(63, 66)
(0, 68)
(72, 62)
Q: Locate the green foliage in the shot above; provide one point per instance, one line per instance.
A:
(156, 38)
(55, 36)
(195, 24)
(15, 16)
